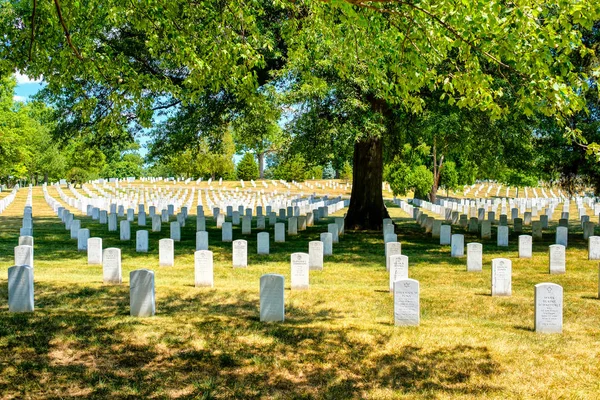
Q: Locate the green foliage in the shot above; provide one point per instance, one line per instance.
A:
(291, 168)
(247, 168)
(346, 172)
(449, 176)
(128, 165)
(84, 162)
(467, 173)
(407, 172)
(315, 172)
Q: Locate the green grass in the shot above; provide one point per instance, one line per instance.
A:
(338, 340)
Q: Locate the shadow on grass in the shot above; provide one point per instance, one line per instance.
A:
(80, 343)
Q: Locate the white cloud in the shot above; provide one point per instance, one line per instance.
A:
(19, 98)
(23, 79)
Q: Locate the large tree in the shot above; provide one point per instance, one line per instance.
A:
(111, 64)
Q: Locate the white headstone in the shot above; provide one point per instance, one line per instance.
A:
(175, 231)
(407, 311)
(240, 253)
(445, 235)
(24, 256)
(125, 230)
(501, 277)
(557, 259)
(327, 243)
(20, 288)
(94, 251)
(166, 252)
(474, 257)
(141, 293)
(141, 241)
(262, 243)
(82, 239)
(315, 255)
(226, 232)
(398, 269)
(203, 268)
(562, 234)
(594, 248)
(525, 246)
(458, 245)
(279, 232)
(548, 308)
(391, 249)
(201, 240)
(272, 305)
(111, 265)
(300, 271)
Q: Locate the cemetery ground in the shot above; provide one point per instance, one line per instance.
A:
(338, 340)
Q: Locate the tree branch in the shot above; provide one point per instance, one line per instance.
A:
(434, 17)
(66, 30)
(32, 28)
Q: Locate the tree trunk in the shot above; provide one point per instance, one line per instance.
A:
(367, 209)
(437, 173)
(261, 165)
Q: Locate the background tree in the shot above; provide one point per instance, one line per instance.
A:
(247, 168)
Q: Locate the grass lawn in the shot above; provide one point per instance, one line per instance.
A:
(338, 340)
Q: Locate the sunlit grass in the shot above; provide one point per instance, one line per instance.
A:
(338, 340)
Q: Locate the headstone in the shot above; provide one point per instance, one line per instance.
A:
(201, 240)
(260, 223)
(103, 217)
(445, 235)
(407, 310)
(141, 293)
(302, 223)
(175, 231)
(141, 218)
(473, 225)
(156, 223)
(327, 243)
(548, 308)
(111, 265)
(398, 269)
(246, 225)
(200, 223)
(315, 255)
(20, 288)
(299, 271)
(262, 243)
(203, 268)
(525, 246)
(166, 252)
(141, 241)
(293, 226)
(562, 234)
(240, 253)
(518, 225)
(75, 226)
(391, 249)
(94, 251)
(544, 221)
(594, 248)
(474, 257)
(486, 229)
(536, 230)
(279, 232)
(125, 231)
(26, 241)
(457, 245)
(333, 229)
(501, 277)
(588, 230)
(557, 259)
(24, 256)
(226, 232)
(436, 229)
(272, 307)
(82, 239)
(502, 240)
